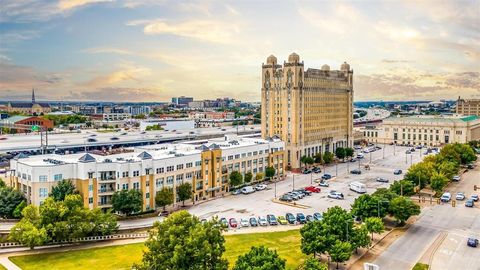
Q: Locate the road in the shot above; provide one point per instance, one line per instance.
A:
(457, 223)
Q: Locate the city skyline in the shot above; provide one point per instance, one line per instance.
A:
(154, 50)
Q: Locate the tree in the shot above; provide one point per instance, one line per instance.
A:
(403, 208)
(327, 157)
(340, 152)
(403, 187)
(164, 197)
(366, 206)
(184, 192)
(447, 168)
(2, 183)
(259, 176)
(438, 181)
(314, 239)
(340, 252)
(17, 213)
(127, 201)
(318, 158)
(26, 233)
(9, 200)
(466, 153)
(374, 225)
(359, 238)
(303, 160)
(384, 194)
(260, 258)
(314, 264)
(181, 241)
(248, 177)
(236, 179)
(349, 152)
(63, 188)
(420, 173)
(269, 171)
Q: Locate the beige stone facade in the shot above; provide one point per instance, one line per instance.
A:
(468, 106)
(310, 110)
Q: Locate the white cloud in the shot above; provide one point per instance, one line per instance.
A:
(65, 5)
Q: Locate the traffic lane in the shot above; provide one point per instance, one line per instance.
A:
(454, 253)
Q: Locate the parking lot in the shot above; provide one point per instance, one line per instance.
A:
(382, 163)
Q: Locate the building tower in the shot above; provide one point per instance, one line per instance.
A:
(312, 110)
(33, 96)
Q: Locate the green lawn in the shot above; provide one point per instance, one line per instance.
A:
(287, 244)
(420, 266)
(2, 267)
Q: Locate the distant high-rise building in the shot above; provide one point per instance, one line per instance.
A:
(468, 106)
(310, 110)
(182, 100)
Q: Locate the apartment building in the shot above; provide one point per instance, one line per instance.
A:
(468, 106)
(204, 164)
(425, 130)
(310, 110)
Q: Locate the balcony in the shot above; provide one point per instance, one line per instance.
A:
(106, 191)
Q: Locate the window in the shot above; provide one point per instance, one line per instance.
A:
(179, 166)
(179, 177)
(170, 168)
(159, 182)
(458, 132)
(189, 175)
(58, 177)
(255, 153)
(42, 178)
(160, 170)
(147, 183)
(136, 173)
(43, 192)
(90, 187)
(198, 163)
(230, 157)
(124, 174)
(237, 156)
(189, 165)
(90, 200)
(136, 185)
(90, 175)
(125, 186)
(169, 180)
(147, 195)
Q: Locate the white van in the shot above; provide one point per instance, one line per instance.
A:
(358, 187)
(248, 190)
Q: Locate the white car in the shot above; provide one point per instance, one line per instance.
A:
(262, 221)
(446, 197)
(456, 178)
(460, 196)
(260, 187)
(244, 222)
(335, 195)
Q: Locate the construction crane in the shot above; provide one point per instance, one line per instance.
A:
(30, 128)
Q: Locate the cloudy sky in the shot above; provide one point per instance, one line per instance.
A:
(151, 50)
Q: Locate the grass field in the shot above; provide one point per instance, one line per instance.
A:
(287, 244)
(2, 267)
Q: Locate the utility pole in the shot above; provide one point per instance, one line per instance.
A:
(336, 169)
(311, 178)
(293, 187)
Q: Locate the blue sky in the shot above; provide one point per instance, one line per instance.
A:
(149, 50)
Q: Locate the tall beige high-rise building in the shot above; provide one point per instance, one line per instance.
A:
(468, 106)
(311, 111)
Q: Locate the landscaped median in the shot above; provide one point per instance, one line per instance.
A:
(287, 244)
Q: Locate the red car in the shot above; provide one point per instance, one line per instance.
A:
(233, 223)
(313, 189)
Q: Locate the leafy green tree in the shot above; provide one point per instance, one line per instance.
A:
(340, 252)
(248, 177)
(260, 258)
(359, 238)
(447, 168)
(236, 178)
(368, 206)
(403, 208)
(449, 153)
(420, 173)
(26, 233)
(310, 160)
(103, 223)
(181, 241)
(318, 158)
(314, 239)
(164, 197)
(349, 152)
(127, 201)
(17, 213)
(313, 264)
(384, 194)
(303, 160)
(2, 183)
(63, 188)
(438, 181)
(184, 192)
(466, 153)
(259, 176)
(9, 200)
(404, 187)
(340, 153)
(269, 172)
(328, 157)
(374, 225)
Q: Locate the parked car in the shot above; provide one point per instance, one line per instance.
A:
(323, 183)
(472, 242)
(317, 170)
(248, 190)
(290, 218)
(474, 197)
(299, 194)
(353, 160)
(224, 222)
(335, 195)
(456, 178)
(317, 216)
(382, 180)
(469, 203)
(301, 218)
(91, 140)
(294, 196)
(203, 221)
(260, 187)
(253, 222)
(446, 197)
(418, 147)
(114, 138)
(244, 222)
(356, 171)
(272, 220)
(360, 156)
(358, 187)
(262, 221)
(304, 191)
(470, 166)
(306, 171)
(326, 176)
(309, 218)
(397, 172)
(313, 189)
(460, 196)
(233, 223)
(237, 192)
(286, 198)
(282, 220)
(408, 152)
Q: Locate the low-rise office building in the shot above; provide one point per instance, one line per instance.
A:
(425, 130)
(204, 164)
(468, 106)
